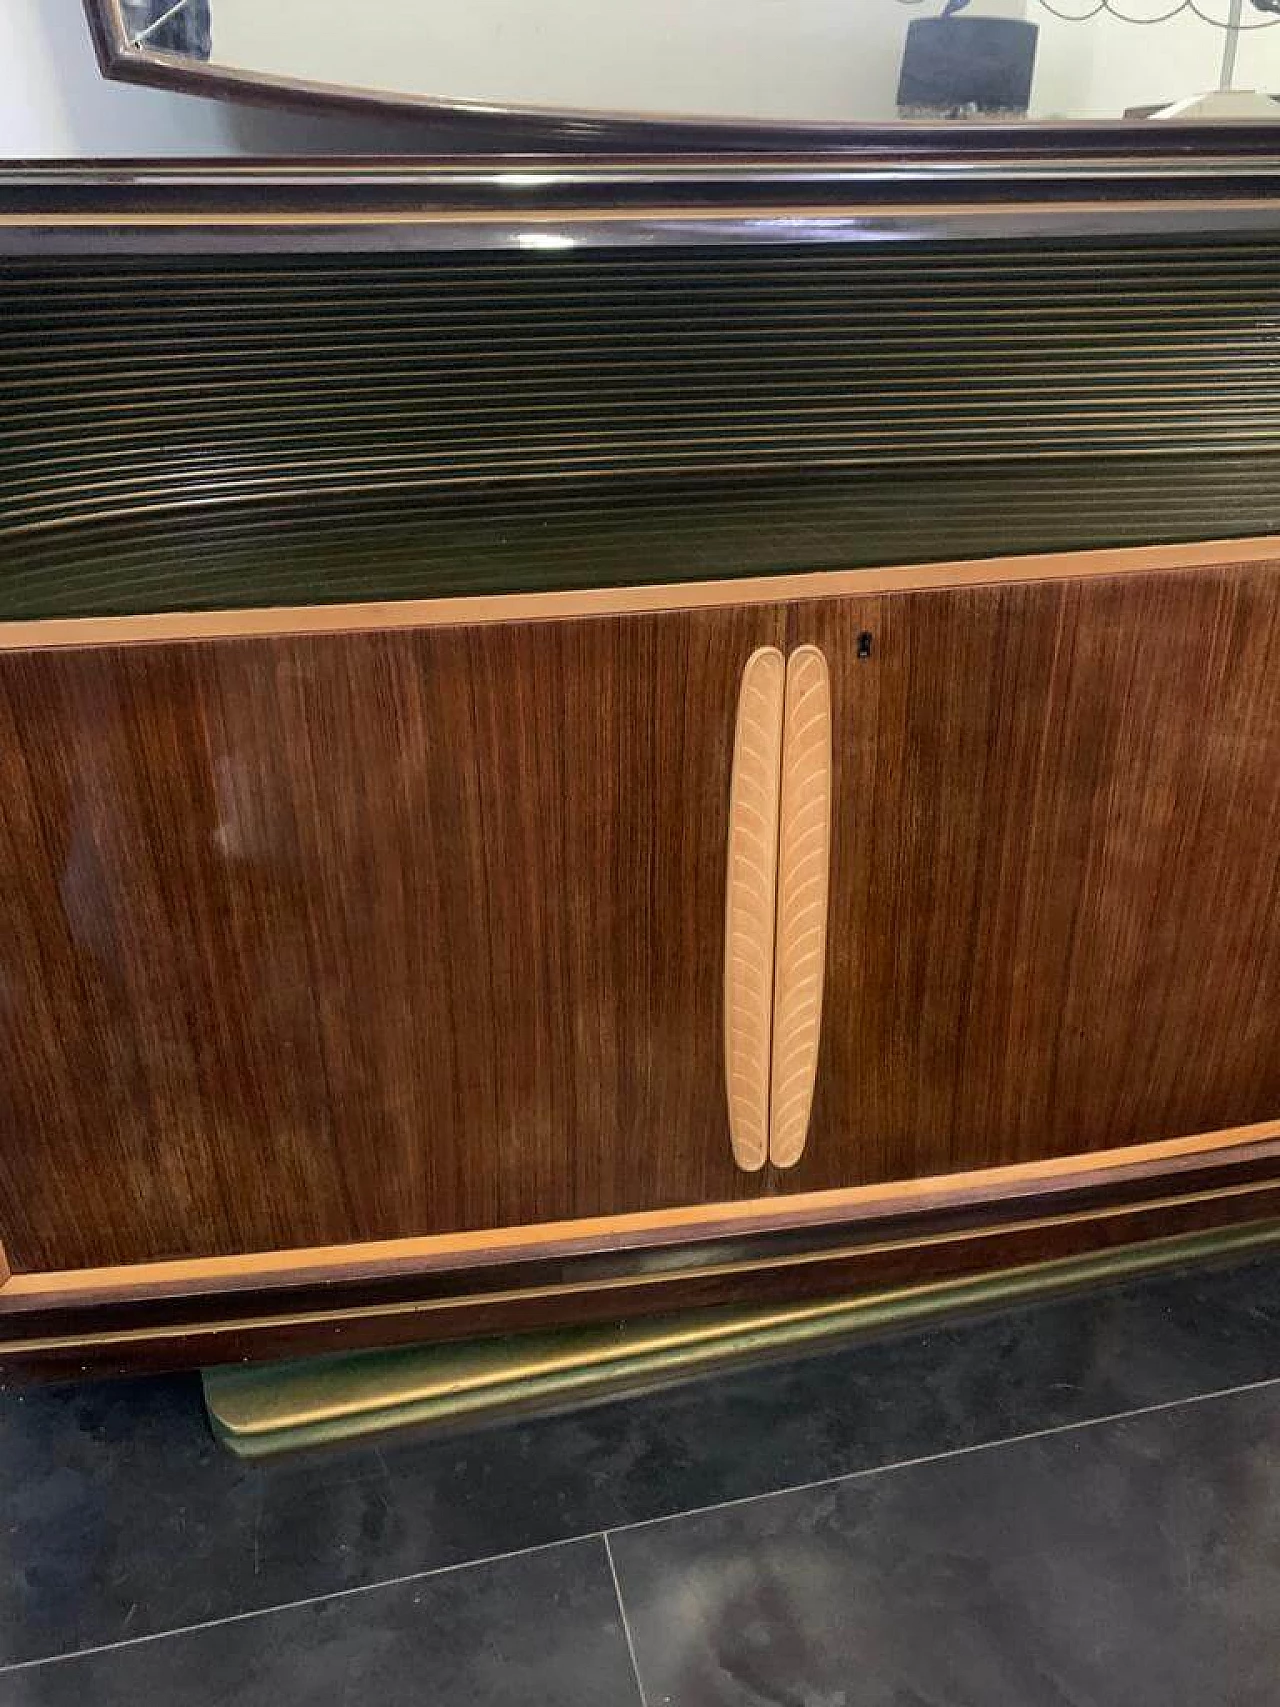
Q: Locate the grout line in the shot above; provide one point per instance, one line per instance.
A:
(950, 1452)
(294, 1605)
(626, 1625)
(644, 1523)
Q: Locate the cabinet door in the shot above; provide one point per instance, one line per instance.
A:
(313, 939)
(1055, 887)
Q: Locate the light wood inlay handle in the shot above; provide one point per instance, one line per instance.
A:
(750, 900)
(804, 858)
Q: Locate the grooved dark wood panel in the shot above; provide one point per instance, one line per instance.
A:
(337, 426)
(515, 367)
(1055, 896)
(366, 935)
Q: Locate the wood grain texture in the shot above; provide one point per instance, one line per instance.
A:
(1055, 919)
(751, 884)
(365, 936)
(800, 950)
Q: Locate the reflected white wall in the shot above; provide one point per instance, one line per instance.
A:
(775, 59)
(822, 59)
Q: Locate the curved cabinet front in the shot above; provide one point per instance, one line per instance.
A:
(1055, 910)
(308, 939)
(366, 942)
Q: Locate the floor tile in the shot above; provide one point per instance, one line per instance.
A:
(1124, 1564)
(121, 1516)
(540, 1628)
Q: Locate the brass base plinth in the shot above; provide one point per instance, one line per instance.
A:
(281, 1406)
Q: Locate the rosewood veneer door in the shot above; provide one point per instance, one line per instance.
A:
(305, 940)
(1055, 884)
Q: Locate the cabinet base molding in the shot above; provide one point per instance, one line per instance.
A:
(788, 1249)
(283, 1407)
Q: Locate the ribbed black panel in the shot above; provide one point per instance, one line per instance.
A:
(199, 432)
(488, 543)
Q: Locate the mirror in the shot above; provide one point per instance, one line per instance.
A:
(844, 63)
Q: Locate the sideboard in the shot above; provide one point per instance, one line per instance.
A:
(724, 754)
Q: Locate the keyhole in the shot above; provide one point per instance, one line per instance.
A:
(864, 645)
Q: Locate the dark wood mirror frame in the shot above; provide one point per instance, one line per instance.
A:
(469, 124)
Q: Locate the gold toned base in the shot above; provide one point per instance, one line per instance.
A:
(278, 1407)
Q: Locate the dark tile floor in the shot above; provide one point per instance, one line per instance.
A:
(1072, 1503)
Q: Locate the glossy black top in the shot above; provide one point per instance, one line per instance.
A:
(974, 190)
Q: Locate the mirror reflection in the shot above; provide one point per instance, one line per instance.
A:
(802, 61)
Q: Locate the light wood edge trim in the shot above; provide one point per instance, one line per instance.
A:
(865, 211)
(750, 891)
(471, 610)
(602, 1233)
(804, 854)
(6, 1273)
(709, 1271)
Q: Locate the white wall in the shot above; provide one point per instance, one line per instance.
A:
(1097, 70)
(56, 104)
(54, 100)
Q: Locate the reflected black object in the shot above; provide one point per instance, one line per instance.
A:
(955, 66)
(187, 32)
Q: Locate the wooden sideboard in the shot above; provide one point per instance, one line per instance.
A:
(366, 968)
(584, 738)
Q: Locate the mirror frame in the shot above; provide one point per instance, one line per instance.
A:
(459, 124)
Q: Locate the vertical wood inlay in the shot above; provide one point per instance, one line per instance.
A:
(750, 902)
(801, 924)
